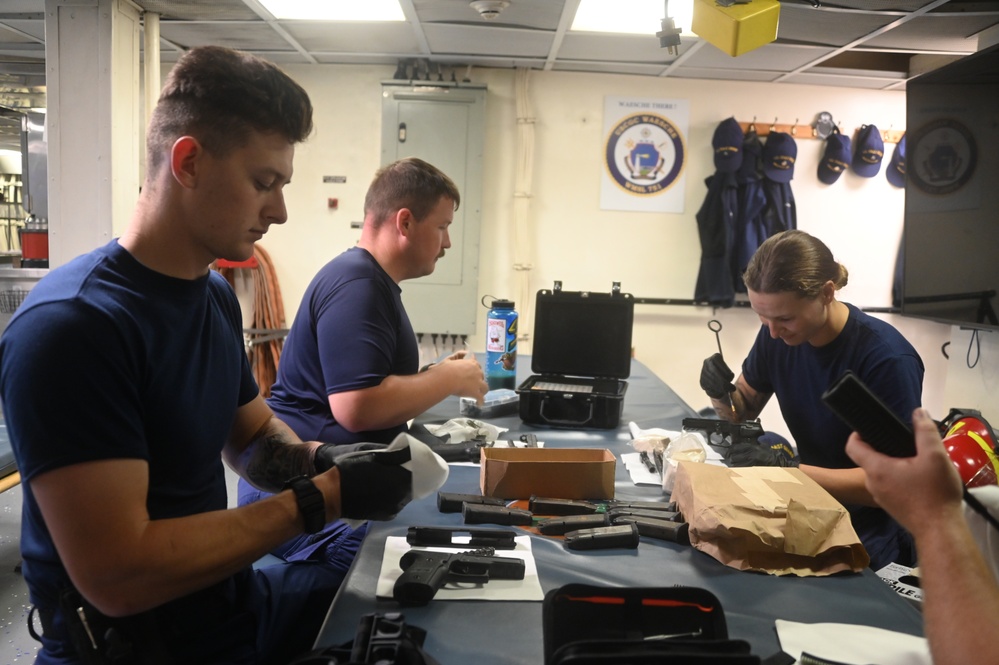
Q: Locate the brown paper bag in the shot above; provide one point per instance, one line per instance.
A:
(767, 519)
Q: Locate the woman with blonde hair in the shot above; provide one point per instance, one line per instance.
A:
(807, 341)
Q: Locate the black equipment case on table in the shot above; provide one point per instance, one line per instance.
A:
(581, 356)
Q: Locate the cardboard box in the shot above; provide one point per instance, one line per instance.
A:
(736, 29)
(560, 473)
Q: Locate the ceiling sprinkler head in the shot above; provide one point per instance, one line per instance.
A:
(489, 9)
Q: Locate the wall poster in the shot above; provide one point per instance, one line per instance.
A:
(644, 154)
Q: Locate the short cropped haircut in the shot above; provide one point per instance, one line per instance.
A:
(408, 183)
(219, 96)
(793, 261)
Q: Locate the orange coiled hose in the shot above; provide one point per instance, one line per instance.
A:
(268, 319)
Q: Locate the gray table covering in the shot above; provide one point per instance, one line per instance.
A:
(491, 632)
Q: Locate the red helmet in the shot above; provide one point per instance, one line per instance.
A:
(972, 449)
(972, 422)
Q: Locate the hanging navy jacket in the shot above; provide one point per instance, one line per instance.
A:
(780, 213)
(715, 226)
(750, 228)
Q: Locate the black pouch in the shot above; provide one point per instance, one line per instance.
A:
(589, 625)
(101, 640)
(85, 626)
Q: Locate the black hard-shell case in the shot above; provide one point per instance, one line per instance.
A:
(587, 624)
(580, 338)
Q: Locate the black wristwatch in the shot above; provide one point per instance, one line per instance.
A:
(311, 503)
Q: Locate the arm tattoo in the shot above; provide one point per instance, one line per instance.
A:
(752, 405)
(273, 459)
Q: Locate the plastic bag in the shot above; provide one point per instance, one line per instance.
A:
(688, 447)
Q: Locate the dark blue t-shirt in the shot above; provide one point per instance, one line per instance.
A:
(798, 375)
(107, 359)
(351, 331)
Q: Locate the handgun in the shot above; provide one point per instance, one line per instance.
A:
(724, 433)
(424, 572)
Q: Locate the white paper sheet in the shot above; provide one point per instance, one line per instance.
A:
(852, 644)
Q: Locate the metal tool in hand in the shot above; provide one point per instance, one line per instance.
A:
(715, 326)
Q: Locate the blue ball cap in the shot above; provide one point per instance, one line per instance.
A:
(779, 153)
(896, 167)
(727, 143)
(835, 159)
(870, 151)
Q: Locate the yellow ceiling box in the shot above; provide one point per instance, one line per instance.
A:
(736, 28)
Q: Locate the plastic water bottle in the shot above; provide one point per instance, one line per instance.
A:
(501, 345)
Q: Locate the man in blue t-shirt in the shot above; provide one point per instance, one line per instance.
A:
(349, 367)
(807, 341)
(125, 385)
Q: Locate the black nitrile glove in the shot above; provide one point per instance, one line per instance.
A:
(716, 377)
(326, 454)
(374, 484)
(769, 450)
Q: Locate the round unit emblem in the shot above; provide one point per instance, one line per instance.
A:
(645, 154)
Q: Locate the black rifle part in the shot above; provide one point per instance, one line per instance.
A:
(647, 461)
(451, 502)
(723, 433)
(602, 538)
(425, 572)
(481, 514)
(668, 506)
(443, 536)
(559, 526)
(641, 512)
(548, 506)
(674, 532)
(466, 451)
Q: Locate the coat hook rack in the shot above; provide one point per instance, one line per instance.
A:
(799, 131)
(887, 135)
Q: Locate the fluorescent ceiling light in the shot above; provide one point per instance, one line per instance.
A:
(335, 10)
(637, 17)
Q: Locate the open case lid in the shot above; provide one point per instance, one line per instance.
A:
(582, 333)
